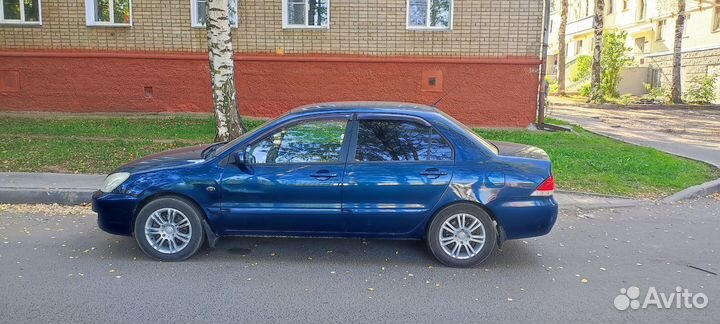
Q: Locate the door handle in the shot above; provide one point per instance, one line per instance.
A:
(323, 175)
(433, 173)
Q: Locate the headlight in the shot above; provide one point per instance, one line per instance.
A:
(113, 181)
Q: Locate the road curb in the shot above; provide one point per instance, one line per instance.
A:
(700, 190)
(46, 196)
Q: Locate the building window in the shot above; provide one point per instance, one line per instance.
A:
(578, 47)
(20, 12)
(198, 13)
(306, 13)
(108, 12)
(610, 7)
(641, 10)
(716, 17)
(640, 44)
(429, 14)
(626, 6)
(660, 30)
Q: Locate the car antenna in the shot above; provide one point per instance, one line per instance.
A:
(434, 105)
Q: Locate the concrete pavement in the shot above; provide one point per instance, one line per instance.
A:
(690, 133)
(56, 266)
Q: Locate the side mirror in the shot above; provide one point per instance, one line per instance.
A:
(241, 158)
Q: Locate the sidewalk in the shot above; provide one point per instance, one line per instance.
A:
(75, 189)
(690, 133)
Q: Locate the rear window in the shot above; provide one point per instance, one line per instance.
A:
(480, 140)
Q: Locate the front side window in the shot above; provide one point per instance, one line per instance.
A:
(307, 142)
(198, 13)
(306, 13)
(393, 140)
(20, 12)
(434, 14)
(108, 12)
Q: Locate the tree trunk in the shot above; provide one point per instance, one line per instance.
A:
(561, 47)
(596, 93)
(676, 89)
(222, 71)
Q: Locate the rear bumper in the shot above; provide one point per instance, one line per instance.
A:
(526, 218)
(115, 212)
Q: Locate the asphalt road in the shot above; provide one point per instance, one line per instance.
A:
(61, 268)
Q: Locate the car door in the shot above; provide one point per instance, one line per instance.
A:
(398, 168)
(291, 181)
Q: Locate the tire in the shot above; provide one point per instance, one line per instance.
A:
(184, 221)
(446, 224)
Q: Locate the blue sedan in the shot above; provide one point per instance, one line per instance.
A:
(353, 169)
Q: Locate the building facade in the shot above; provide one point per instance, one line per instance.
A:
(151, 55)
(650, 27)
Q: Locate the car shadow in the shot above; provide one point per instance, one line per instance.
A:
(351, 251)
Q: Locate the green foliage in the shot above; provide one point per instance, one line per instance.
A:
(614, 57)
(552, 85)
(581, 68)
(625, 99)
(701, 90)
(584, 90)
(657, 94)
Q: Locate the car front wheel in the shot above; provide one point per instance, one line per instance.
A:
(461, 235)
(169, 229)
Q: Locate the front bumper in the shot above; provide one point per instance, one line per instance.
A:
(115, 212)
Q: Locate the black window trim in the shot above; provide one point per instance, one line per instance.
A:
(343, 156)
(396, 117)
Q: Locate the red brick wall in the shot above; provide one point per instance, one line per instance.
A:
(487, 92)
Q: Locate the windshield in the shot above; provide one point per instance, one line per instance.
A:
(232, 143)
(484, 142)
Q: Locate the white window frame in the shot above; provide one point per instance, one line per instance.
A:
(715, 17)
(90, 15)
(427, 18)
(286, 25)
(194, 15)
(22, 15)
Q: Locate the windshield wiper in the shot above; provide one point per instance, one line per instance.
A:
(208, 150)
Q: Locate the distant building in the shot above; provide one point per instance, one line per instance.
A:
(650, 25)
(148, 56)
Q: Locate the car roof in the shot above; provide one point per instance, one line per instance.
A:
(365, 106)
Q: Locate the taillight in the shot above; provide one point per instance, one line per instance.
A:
(545, 189)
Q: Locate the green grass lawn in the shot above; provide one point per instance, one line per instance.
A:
(582, 161)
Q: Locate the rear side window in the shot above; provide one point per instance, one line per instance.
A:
(396, 140)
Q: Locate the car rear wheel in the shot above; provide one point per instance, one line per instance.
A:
(169, 229)
(461, 235)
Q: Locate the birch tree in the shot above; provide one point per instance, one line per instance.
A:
(596, 94)
(561, 46)
(222, 71)
(676, 88)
